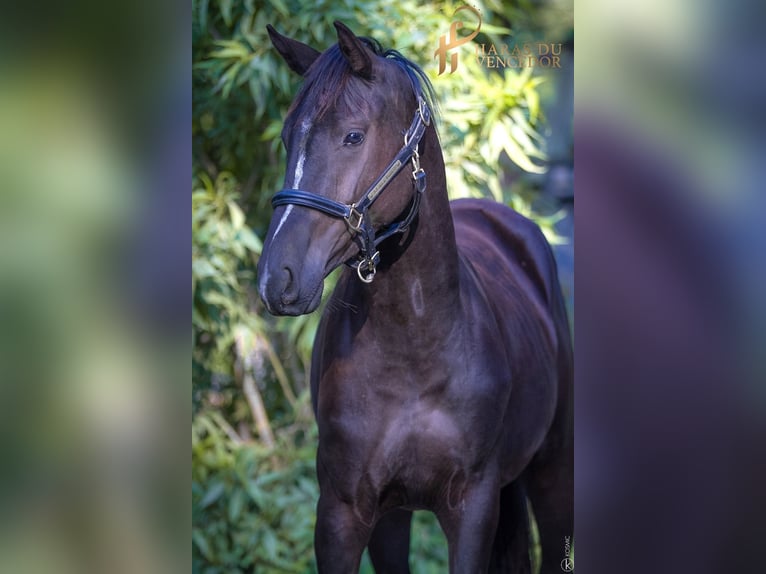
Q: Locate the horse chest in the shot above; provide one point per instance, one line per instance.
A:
(401, 430)
(414, 454)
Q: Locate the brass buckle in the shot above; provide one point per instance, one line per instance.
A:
(356, 227)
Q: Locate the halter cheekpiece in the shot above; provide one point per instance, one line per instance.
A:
(356, 215)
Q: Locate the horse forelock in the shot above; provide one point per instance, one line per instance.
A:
(328, 81)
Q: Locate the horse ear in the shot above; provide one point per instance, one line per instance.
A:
(299, 56)
(354, 50)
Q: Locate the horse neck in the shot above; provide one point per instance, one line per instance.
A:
(423, 280)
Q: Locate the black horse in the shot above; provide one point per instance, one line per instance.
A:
(442, 367)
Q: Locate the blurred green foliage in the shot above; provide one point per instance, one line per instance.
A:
(254, 486)
(252, 507)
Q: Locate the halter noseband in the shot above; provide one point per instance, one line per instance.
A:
(356, 215)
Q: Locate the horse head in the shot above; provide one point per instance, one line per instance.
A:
(341, 132)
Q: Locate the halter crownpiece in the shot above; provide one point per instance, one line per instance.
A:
(356, 215)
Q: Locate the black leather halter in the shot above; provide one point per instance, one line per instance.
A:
(356, 215)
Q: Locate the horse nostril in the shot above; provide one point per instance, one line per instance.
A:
(290, 292)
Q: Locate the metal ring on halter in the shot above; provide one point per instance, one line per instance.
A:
(370, 266)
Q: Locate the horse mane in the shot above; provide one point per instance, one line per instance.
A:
(330, 79)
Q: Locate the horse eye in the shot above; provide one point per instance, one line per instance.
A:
(353, 138)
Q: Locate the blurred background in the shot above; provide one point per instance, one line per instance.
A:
(94, 167)
(506, 134)
(671, 246)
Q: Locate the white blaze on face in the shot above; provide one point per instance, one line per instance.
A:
(305, 128)
(282, 221)
(297, 176)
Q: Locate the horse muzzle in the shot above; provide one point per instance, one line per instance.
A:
(288, 289)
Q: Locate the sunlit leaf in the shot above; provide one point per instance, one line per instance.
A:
(250, 240)
(232, 50)
(521, 159)
(202, 268)
(237, 217)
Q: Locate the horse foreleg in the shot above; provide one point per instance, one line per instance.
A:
(390, 543)
(340, 536)
(470, 527)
